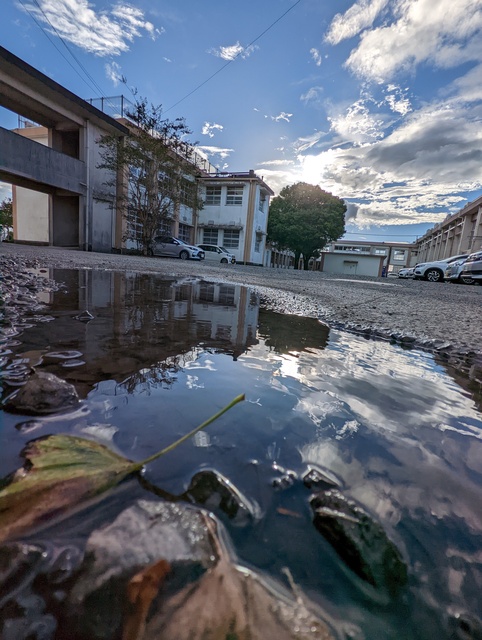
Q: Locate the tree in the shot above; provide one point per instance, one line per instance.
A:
(303, 218)
(150, 170)
(6, 213)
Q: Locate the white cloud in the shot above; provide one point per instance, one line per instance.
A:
(445, 34)
(415, 169)
(99, 32)
(209, 129)
(233, 51)
(282, 116)
(166, 59)
(312, 95)
(357, 124)
(215, 151)
(358, 17)
(315, 54)
(113, 72)
(306, 142)
(397, 101)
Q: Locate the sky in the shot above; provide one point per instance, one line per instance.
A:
(377, 101)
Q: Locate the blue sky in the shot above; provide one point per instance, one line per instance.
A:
(377, 101)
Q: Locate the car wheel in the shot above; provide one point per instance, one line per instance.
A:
(434, 275)
(466, 280)
(184, 255)
(150, 252)
(224, 261)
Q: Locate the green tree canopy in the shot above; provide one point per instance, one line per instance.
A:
(6, 213)
(303, 218)
(154, 165)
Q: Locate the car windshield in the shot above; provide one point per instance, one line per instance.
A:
(181, 241)
(223, 249)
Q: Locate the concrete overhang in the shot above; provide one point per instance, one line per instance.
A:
(33, 95)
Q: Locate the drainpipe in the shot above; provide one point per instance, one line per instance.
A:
(88, 203)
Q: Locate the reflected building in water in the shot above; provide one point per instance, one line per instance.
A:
(141, 326)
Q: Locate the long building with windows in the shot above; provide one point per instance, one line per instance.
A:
(459, 233)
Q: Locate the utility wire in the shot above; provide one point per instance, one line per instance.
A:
(54, 44)
(235, 57)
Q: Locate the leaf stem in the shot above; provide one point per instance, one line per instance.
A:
(138, 465)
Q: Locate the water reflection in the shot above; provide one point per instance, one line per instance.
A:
(404, 439)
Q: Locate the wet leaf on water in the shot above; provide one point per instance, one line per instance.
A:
(230, 601)
(141, 591)
(61, 472)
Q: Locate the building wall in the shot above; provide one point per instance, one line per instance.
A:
(352, 265)
(457, 234)
(220, 221)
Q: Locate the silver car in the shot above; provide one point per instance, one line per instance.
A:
(454, 273)
(175, 248)
(215, 253)
(473, 267)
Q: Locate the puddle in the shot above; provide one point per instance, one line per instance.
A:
(397, 432)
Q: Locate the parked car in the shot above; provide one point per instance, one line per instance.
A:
(175, 248)
(215, 253)
(472, 267)
(434, 271)
(406, 272)
(454, 273)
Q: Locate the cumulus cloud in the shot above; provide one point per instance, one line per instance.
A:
(357, 123)
(233, 51)
(209, 129)
(394, 171)
(102, 33)
(445, 34)
(113, 73)
(397, 101)
(315, 54)
(358, 17)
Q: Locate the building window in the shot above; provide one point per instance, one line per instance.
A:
(380, 252)
(399, 255)
(262, 200)
(231, 239)
(257, 243)
(210, 236)
(184, 233)
(213, 196)
(188, 192)
(234, 196)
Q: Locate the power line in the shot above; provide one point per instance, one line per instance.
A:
(87, 74)
(235, 57)
(53, 43)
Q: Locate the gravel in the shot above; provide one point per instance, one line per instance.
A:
(439, 317)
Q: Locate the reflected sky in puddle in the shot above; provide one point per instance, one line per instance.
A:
(159, 356)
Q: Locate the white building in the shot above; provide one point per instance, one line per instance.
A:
(361, 258)
(235, 214)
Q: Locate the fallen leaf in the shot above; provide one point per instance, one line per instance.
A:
(141, 591)
(231, 601)
(61, 472)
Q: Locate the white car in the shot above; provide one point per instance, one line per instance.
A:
(215, 253)
(454, 273)
(175, 248)
(406, 272)
(434, 271)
